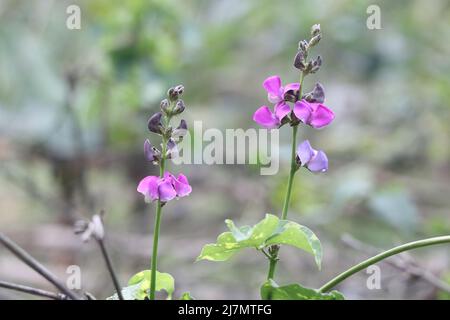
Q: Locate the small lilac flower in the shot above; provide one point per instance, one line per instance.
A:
(313, 160)
(151, 153)
(164, 189)
(314, 114)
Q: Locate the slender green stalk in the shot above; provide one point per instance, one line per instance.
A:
(363, 265)
(272, 266)
(154, 260)
(287, 198)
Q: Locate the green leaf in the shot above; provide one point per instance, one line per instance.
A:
(296, 235)
(140, 284)
(268, 231)
(229, 243)
(186, 296)
(272, 291)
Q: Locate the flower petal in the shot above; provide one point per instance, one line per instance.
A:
(291, 87)
(181, 185)
(282, 109)
(273, 87)
(148, 151)
(265, 117)
(321, 116)
(302, 111)
(319, 163)
(166, 190)
(149, 187)
(305, 152)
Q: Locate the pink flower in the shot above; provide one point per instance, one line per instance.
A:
(314, 114)
(275, 94)
(164, 189)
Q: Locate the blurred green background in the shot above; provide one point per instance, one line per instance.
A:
(73, 112)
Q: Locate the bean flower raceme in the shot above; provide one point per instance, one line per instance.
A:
(164, 189)
(279, 95)
(166, 186)
(314, 160)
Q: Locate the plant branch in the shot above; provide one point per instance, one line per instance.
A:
(379, 257)
(33, 291)
(110, 268)
(399, 262)
(36, 265)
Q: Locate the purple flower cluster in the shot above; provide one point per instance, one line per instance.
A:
(307, 109)
(167, 186)
(312, 112)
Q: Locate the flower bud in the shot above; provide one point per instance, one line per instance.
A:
(179, 107)
(175, 92)
(315, 30)
(154, 123)
(315, 96)
(90, 229)
(299, 60)
(315, 40)
(181, 130)
(315, 64)
(303, 46)
(151, 153)
(172, 149)
(165, 106)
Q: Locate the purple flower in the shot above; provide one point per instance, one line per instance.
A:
(268, 119)
(275, 94)
(151, 153)
(164, 189)
(314, 114)
(313, 160)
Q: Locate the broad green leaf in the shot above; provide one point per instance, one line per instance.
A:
(268, 231)
(272, 291)
(142, 280)
(229, 243)
(186, 296)
(294, 234)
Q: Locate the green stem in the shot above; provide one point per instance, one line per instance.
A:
(154, 261)
(287, 198)
(363, 265)
(272, 266)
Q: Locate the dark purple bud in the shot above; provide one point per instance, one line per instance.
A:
(154, 123)
(316, 64)
(299, 60)
(179, 107)
(151, 153)
(317, 95)
(172, 149)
